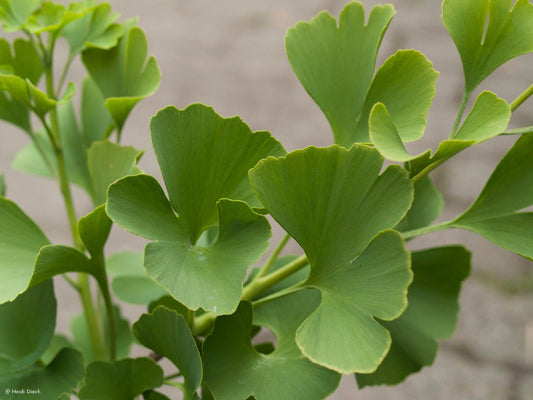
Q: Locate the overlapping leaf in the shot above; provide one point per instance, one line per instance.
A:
(333, 203)
(95, 119)
(236, 371)
(17, 257)
(28, 324)
(121, 380)
(167, 333)
(96, 29)
(431, 314)
(51, 18)
(204, 159)
(494, 213)
(488, 33)
(335, 65)
(123, 74)
(15, 13)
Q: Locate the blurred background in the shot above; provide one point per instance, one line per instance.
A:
(230, 55)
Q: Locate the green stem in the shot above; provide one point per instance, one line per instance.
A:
(41, 151)
(64, 74)
(520, 99)
(110, 311)
(109, 130)
(95, 335)
(460, 113)
(179, 385)
(273, 257)
(176, 375)
(427, 229)
(428, 169)
(71, 282)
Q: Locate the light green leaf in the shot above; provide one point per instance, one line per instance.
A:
(431, 314)
(211, 277)
(63, 374)
(17, 257)
(333, 203)
(123, 74)
(94, 230)
(15, 13)
(493, 214)
(96, 29)
(208, 157)
(108, 162)
(51, 18)
(236, 371)
(130, 282)
(82, 338)
(167, 333)
(2, 185)
(135, 376)
(335, 64)
(95, 119)
(488, 33)
(28, 324)
(489, 117)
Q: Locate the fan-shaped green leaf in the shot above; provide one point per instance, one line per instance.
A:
(96, 29)
(167, 333)
(236, 371)
(50, 381)
(135, 376)
(95, 119)
(51, 18)
(17, 257)
(123, 74)
(94, 230)
(493, 214)
(333, 202)
(108, 162)
(488, 33)
(208, 157)
(335, 64)
(28, 324)
(15, 13)
(130, 282)
(431, 314)
(427, 205)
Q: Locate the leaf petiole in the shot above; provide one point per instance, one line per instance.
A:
(521, 98)
(460, 112)
(273, 257)
(427, 229)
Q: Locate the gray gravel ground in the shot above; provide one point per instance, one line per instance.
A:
(230, 54)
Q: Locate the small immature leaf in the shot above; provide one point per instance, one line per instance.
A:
(488, 33)
(62, 374)
(51, 18)
(208, 157)
(333, 203)
(94, 230)
(430, 315)
(167, 333)
(236, 371)
(335, 64)
(28, 324)
(130, 282)
(17, 257)
(121, 380)
(123, 74)
(96, 29)
(108, 162)
(15, 13)
(494, 213)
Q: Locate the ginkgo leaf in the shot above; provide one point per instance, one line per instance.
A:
(15, 13)
(333, 202)
(167, 333)
(123, 73)
(488, 33)
(95, 119)
(17, 257)
(136, 375)
(230, 358)
(51, 18)
(2, 185)
(494, 213)
(96, 29)
(335, 63)
(430, 315)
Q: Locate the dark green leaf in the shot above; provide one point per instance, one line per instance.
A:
(430, 315)
(58, 343)
(17, 257)
(123, 74)
(335, 64)
(28, 324)
(235, 370)
(2, 185)
(94, 230)
(427, 205)
(488, 33)
(121, 380)
(167, 333)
